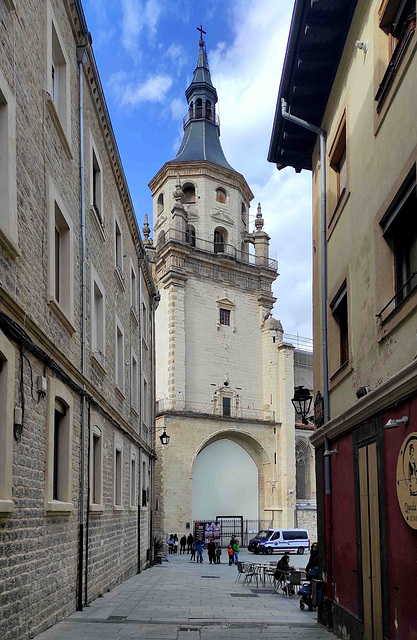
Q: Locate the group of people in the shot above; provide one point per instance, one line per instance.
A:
(183, 542)
(283, 566)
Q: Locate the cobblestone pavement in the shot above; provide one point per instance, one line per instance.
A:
(182, 600)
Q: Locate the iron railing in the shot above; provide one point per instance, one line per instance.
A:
(166, 405)
(399, 297)
(200, 113)
(221, 249)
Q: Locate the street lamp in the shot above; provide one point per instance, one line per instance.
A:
(302, 402)
(164, 438)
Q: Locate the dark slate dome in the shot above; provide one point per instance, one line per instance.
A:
(201, 139)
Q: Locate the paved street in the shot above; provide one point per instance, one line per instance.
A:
(181, 600)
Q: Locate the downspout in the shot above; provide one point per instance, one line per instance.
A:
(327, 465)
(140, 262)
(154, 305)
(81, 59)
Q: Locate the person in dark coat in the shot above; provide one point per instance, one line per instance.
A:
(183, 542)
(190, 541)
(211, 549)
(283, 566)
(312, 567)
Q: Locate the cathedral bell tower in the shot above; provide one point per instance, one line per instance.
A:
(215, 277)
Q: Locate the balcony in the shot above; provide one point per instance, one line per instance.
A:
(212, 409)
(201, 113)
(221, 249)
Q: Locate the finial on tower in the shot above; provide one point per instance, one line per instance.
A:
(200, 29)
(259, 221)
(146, 230)
(178, 193)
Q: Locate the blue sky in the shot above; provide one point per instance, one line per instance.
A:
(146, 52)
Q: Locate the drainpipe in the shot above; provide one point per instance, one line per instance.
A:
(154, 304)
(140, 263)
(81, 59)
(327, 465)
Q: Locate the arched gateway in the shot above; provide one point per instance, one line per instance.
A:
(225, 377)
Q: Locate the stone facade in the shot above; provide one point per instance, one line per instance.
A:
(79, 316)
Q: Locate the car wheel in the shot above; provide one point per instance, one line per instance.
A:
(256, 551)
(269, 551)
(302, 606)
(300, 551)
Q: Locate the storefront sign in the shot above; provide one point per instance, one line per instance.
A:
(407, 479)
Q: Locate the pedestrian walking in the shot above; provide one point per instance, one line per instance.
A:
(175, 543)
(190, 542)
(236, 550)
(199, 546)
(218, 553)
(192, 552)
(183, 542)
(171, 544)
(230, 554)
(211, 548)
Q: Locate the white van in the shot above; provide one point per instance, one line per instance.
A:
(281, 540)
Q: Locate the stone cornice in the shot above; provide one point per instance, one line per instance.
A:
(390, 392)
(200, 168)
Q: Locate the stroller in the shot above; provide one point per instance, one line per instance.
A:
(306, 591)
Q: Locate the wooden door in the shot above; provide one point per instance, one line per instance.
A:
(370, 542)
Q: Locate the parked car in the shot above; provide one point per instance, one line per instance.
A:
(281, 540)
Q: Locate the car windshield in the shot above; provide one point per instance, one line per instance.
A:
(263, 535)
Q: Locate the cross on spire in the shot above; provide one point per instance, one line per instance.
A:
(201, 30)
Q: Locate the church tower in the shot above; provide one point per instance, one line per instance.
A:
(225, 376)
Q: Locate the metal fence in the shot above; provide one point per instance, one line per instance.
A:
(230, 526)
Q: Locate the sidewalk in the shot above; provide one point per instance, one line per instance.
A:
(181, 600)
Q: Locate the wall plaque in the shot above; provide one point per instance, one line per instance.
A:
(407, 479)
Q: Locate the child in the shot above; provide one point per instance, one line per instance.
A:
(192, 551)
(230, 554)
(218, 553)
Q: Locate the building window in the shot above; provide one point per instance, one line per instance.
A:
(189, 193)
(61, 261)
(134, 381)
(397, 18)
(190, 235)
(144, 322)
(144, 491)
(98, 318)
(338, 158)
(160, 203)
(226, 407)
(399, 227)
(96, 184)
(199, 108)
(221, 195)
(118, 471)
(7, 386)
(133, 480)
(225, 316)
(145, 402)
(58, 77)
(59, 448)
(220, 239)
(8, 199)
(243, 214)
(119, 356)
(96, 463)
(118, 246)
(133, 288)
(339, 309)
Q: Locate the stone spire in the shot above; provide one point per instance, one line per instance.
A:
(259, 221)
(146, 230)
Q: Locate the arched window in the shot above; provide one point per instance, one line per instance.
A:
(190, 235)
(208, 110)
(220, 239)
(243, 214)
(221, 195)
(191, 109)
(302, 469)
(161, 238)
(160, 203)
(189, 193)
(199, 108)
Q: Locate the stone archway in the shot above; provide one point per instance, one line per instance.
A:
(251, 470)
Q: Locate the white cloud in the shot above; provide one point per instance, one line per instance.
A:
(246, 75)
(177, 54)
(178, 108)
(129, 93)
(137, 17)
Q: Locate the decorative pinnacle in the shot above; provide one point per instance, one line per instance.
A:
(178, 193)
(200, 29)
(145, 229)
(259, 221)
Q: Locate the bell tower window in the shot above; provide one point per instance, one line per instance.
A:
(160, 203)
(220, 239)
(221, 195)
(190, 235)
(199, 108)
(209, 112)
(189, 194)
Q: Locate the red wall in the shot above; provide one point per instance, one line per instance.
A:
(344, 525)
(401, 538)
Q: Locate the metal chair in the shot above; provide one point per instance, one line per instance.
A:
(240, 570)
(251, 573)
